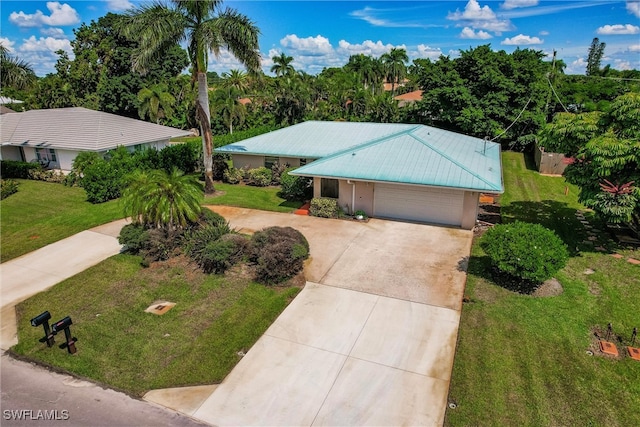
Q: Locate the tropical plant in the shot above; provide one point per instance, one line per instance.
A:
(206, 28)
(156, 103)
(596, 51)
(395, 67)
(14, 72)
(282, 65)
(157, 199)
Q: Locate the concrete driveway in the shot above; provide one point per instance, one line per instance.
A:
(369, 341)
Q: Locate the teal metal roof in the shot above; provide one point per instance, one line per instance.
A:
(399, 153)
(313, 139)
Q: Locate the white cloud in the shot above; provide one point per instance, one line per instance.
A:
(544, 33)
(521, 40)
(308, 46)
(8, 44)
(634, 48)
(619, 29)
(480, 17)
(425, 51)
(514, 4)
(633, 6)
(579, 66)
(620, 64)
(119, 5)
(61, 15)
(468, 33)
(367, 47)
(53, 32)
(45, 44)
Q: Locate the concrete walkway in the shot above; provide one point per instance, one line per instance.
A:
(39, 270)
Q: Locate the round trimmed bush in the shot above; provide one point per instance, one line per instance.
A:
(525, 251)
(279, 253)
(134, 238)
(260, 177)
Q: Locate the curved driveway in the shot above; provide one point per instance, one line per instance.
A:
(371, 338)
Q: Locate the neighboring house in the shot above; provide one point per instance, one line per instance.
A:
(409, 98)
(54, 137)
(399, 171)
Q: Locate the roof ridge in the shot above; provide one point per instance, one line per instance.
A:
(366, 144)
(455, 162)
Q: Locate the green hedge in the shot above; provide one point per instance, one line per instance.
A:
(15, 169)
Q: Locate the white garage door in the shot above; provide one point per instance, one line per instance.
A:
(433, 205)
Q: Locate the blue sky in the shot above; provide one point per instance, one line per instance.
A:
(319, 34)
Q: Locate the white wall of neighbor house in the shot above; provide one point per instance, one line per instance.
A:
(293, 162)
(247, 160)
(65, 159)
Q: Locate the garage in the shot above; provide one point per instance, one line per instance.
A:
(423, 204)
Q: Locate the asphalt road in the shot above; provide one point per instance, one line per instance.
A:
(44, 398)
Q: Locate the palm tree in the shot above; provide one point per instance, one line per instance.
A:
(394, 63)
(158, 199)
(15, 72)
(227, 103)
(155, 102)
(282, 65)
(206, 28)
(236, 79)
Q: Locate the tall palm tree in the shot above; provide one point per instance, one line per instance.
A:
(227, 103)
(158, 199)
(206, 28)
(15, 72)
(395, 66)
(282, 65)
(155, 102)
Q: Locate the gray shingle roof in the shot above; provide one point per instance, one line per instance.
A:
(79, 129)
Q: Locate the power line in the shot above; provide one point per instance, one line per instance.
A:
(514, 122)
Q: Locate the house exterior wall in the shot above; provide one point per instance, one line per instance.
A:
(10, 153)
(293, 162)
(469, 210)
(65, 159)
(242, 160)
(29, 154)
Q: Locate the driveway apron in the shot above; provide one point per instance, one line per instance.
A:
(371, 338)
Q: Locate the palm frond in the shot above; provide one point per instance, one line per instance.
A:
(237, 33)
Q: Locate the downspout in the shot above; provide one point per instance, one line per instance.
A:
(353, 196)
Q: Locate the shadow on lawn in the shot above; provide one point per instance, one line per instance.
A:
(561, 218)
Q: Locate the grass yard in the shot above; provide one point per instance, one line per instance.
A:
(522, 360)
(41, 213)
(246, 196)
(196, 342)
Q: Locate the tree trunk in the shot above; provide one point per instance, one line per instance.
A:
(204, 117)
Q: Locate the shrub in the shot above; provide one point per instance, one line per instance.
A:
(260, 177)
(185, 156)
(7, 188)
(233, 175)
(220, 166)
(196, 240)
(47, 175)
(134, 237)
(324, 207)
(525, 251)
(102, 182)
(276, 172)
(162, 244)
(15, 169)
(209, 217)
(295, 187)
(219, 255)
(361, 213)
(279, 253)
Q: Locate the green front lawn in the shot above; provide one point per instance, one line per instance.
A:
(196, 342)
(522, 360)
(246, 196)
(41, 213)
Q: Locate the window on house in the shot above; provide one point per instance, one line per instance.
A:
(46, 154)
(303, 162)
(329, 188)
(269, 161)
